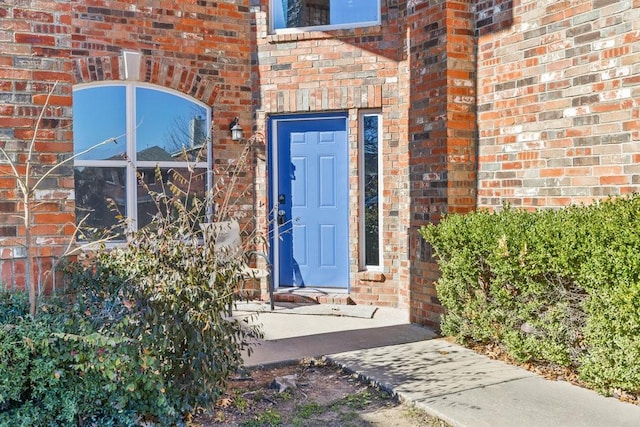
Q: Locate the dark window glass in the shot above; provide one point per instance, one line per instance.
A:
(101, 194)
(371, 196)
(167, 181)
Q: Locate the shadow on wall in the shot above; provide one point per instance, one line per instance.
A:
(493, 15)
(443, 134)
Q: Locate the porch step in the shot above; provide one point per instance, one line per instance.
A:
(311, 296)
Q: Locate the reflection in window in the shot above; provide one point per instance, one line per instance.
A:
(163, 133)
(98, 115)
(371, 125)
(153, 128)
(156, 181)
(314, 13)
(100, 196)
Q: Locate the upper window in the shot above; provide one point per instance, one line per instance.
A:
(160, 139)
(319, 14)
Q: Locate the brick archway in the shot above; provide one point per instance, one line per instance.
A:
(160, 71)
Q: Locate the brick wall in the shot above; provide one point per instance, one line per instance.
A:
(35, 45)
(348, 71)
(535, 103)
(558, 101)
(197, 48)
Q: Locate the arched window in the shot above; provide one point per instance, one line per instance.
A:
(153, 128)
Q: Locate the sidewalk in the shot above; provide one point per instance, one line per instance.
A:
(446, 380)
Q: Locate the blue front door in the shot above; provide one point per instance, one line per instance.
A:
(311, 234)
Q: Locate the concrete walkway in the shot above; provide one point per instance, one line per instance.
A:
(446, 380)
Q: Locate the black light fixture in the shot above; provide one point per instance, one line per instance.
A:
(236, 129)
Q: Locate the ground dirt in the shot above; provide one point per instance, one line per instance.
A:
(316, 394)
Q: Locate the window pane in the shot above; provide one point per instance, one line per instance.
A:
(166, 125)
(353, 11)
(99, 114)
(189, 185)
(95, 186)
(311, 13)
(371, 196)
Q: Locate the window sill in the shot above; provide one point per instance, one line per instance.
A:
(328, 34)
(371, 276)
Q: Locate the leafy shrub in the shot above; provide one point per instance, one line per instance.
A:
(141, 336)
(14, 348)
(12, 305)
(611, 276)
(561, 286)
(50, 375)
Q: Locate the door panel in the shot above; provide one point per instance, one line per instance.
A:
(327, 245)
(327, 182)
(299, 184)
(312, 189)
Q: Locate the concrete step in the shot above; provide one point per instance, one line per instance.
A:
(310, 296)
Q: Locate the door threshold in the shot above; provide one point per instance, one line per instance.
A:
(311, 290)
(307, 295)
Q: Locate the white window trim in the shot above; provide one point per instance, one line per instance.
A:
(130, 166)
(361, 178)
(296, 30)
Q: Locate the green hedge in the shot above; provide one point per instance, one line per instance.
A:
(561, 286)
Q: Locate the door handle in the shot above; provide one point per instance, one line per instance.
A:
(281, 212)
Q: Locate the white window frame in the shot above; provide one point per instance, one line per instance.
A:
(351, 25)
(361, 178)
(131, 165)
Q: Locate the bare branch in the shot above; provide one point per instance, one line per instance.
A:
(35, 133)
(16, 174)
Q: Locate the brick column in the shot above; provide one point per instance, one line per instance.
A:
(35, 40)
(442, 133)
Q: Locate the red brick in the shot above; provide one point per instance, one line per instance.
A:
(32, 15)
(614, 180)
(632, 125)
(545, 173)
(42, 99)
(35, 39)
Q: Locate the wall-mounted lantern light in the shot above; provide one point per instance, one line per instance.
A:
(236, 129)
